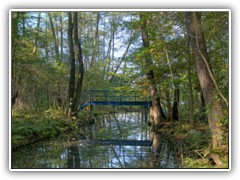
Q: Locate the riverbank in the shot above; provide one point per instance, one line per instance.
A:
(194, 144)
(28, 128)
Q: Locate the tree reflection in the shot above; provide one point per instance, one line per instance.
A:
(163, 149)
(73, 160)
(81, 153)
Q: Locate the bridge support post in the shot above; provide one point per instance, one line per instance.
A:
(91, 113)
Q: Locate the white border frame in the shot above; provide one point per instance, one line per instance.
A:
(119, 10)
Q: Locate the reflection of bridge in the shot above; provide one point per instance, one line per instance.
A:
(114, 98)
(118, 142)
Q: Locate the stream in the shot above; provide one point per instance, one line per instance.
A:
(119, 140)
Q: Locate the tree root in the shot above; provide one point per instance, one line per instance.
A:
(207, 154)
(216, 159)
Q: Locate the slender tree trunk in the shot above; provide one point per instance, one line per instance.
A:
(168, 105)
(16, 77)
(54, 38)
(113, 51)
(80, 62)
(176, 96)
(15, 33)
(108, 56)
(71, 87)
(46, 44)
(37, 34)
(193, 21)
(123, 57)
(191, 101)
(61, 36)
(95, 42)
(23, 23)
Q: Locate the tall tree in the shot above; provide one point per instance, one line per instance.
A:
(80, 62)
(74, 93)
(37, 34)
(61, 35)
(176, 97)
(157, 113)
(190, 91)
(96, 39)
(71, 59)
(15, 39)
(55, 38)
(210, 94)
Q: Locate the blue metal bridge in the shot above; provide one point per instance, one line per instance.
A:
(114, 98)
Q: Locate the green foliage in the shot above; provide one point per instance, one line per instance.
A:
(30, 128)
(196, 163)
(196, 160)
(197, 139)
(225, 118)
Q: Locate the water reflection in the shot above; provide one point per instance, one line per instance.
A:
(164, 152)
(115, 152)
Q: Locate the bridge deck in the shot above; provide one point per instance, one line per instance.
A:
(114, 98)
(123, 103)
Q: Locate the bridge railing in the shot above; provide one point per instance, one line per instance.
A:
(113, 96)
(107, 97)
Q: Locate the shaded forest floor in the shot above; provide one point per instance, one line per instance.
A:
(195, 144)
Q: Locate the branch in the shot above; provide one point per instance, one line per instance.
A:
(210, 72)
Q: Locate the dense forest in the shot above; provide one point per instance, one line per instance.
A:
(179, 60)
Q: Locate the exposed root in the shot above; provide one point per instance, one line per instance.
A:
(216, 159)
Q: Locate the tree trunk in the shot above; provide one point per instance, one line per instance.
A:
(23, 24)
(61, 36)
(71, 87)
(80, 62)
(168, 105)
(95, 42)
(14, 98)
(150, 76)
(123, 57)
(176, 96)
(203, 110)
(37, 34)
(191, 102)
(54, 38)
(193, 22)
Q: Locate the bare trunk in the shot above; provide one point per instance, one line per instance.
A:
(95, 42)
(61, 36)
(168, 105)
(210, 94)
(37, 34)
(72, 68)
(80, 62)
(123, 57)
(54, 37)
(191, 102)
(176, 96)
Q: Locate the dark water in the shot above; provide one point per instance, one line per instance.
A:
(115, 141)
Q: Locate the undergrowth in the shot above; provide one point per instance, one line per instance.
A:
(27, 127)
